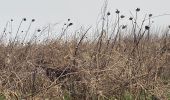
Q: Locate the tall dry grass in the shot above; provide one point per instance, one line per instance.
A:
(119, 63)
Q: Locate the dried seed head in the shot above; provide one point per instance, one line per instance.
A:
(137, 9)
(12, 20)
(169, 26)
(147, 27)
(124, 26)
(33, 20)
(108, 13)
(150, 15)
(69, 19)
(130, 18)
(70, 24)
(24, 19)
(122, 16)
(117, 11)
(38, 30)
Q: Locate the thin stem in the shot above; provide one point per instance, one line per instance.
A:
(27, 32)
(18, 30)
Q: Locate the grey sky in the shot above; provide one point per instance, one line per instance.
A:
(82, 12)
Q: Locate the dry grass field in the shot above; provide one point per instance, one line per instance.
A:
(121, 62)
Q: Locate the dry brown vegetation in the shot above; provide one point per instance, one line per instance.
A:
(113, 66)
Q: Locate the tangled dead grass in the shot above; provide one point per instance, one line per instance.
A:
(135, 66)
(104, 75)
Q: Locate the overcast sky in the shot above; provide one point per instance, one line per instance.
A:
(82, 12)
